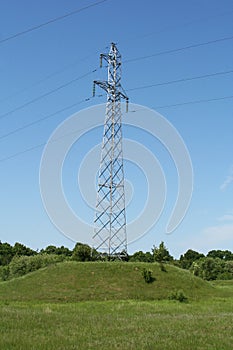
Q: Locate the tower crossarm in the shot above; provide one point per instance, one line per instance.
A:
(111, 91)
(113, 85)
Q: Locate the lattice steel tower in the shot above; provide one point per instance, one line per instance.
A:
(110, 221)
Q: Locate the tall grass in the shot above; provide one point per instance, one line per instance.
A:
(137, 325)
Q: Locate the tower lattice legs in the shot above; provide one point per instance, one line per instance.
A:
(110, 220)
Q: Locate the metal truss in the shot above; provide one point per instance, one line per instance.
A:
(110, 220)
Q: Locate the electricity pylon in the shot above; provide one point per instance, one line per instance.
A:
(110, 220)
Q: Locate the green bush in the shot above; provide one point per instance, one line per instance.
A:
(6, 253)
(147, 275)
(212, 268)
(21, 265)
(178, 295)
(4, 272)
(82, 252)
(18, 266)
(161, 253)
(142, 257)
(189, 258)
(162, 267)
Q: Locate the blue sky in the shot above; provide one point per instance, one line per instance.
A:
(44, 60)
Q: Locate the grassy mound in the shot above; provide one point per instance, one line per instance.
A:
(97, 281)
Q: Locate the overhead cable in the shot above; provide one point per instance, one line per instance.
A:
(53, 20)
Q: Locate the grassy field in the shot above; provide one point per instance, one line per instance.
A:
(73, 281)
(109, 306)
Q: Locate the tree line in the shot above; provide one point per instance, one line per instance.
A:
(216, 264)
(18, 260)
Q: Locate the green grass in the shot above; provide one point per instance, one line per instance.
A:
(122, 325)
(109, 306)
(73, 281)
(224, 285)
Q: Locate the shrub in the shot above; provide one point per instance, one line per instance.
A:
(178, 295)
(162, 267)
(142, 257)
(147, 275)
(161, 253)
(211, 268)
(21, 265)
(6, 253)
(82, 252)
(189, 258)
(4, 272)
(18, 266)
(51, 249)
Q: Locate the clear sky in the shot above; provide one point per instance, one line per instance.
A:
(159, 42)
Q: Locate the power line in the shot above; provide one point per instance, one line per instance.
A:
(187, 103)
(174, 27)
(38, 146)
(47, 94)
(127, 61)
(53, 20)
(44, 118)
(51, 75)
(127, 40)
(22, 152)
(179, 49)
(195, 102)
(132, 111)
(100, 95)
(181, 80)
(131, 89)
